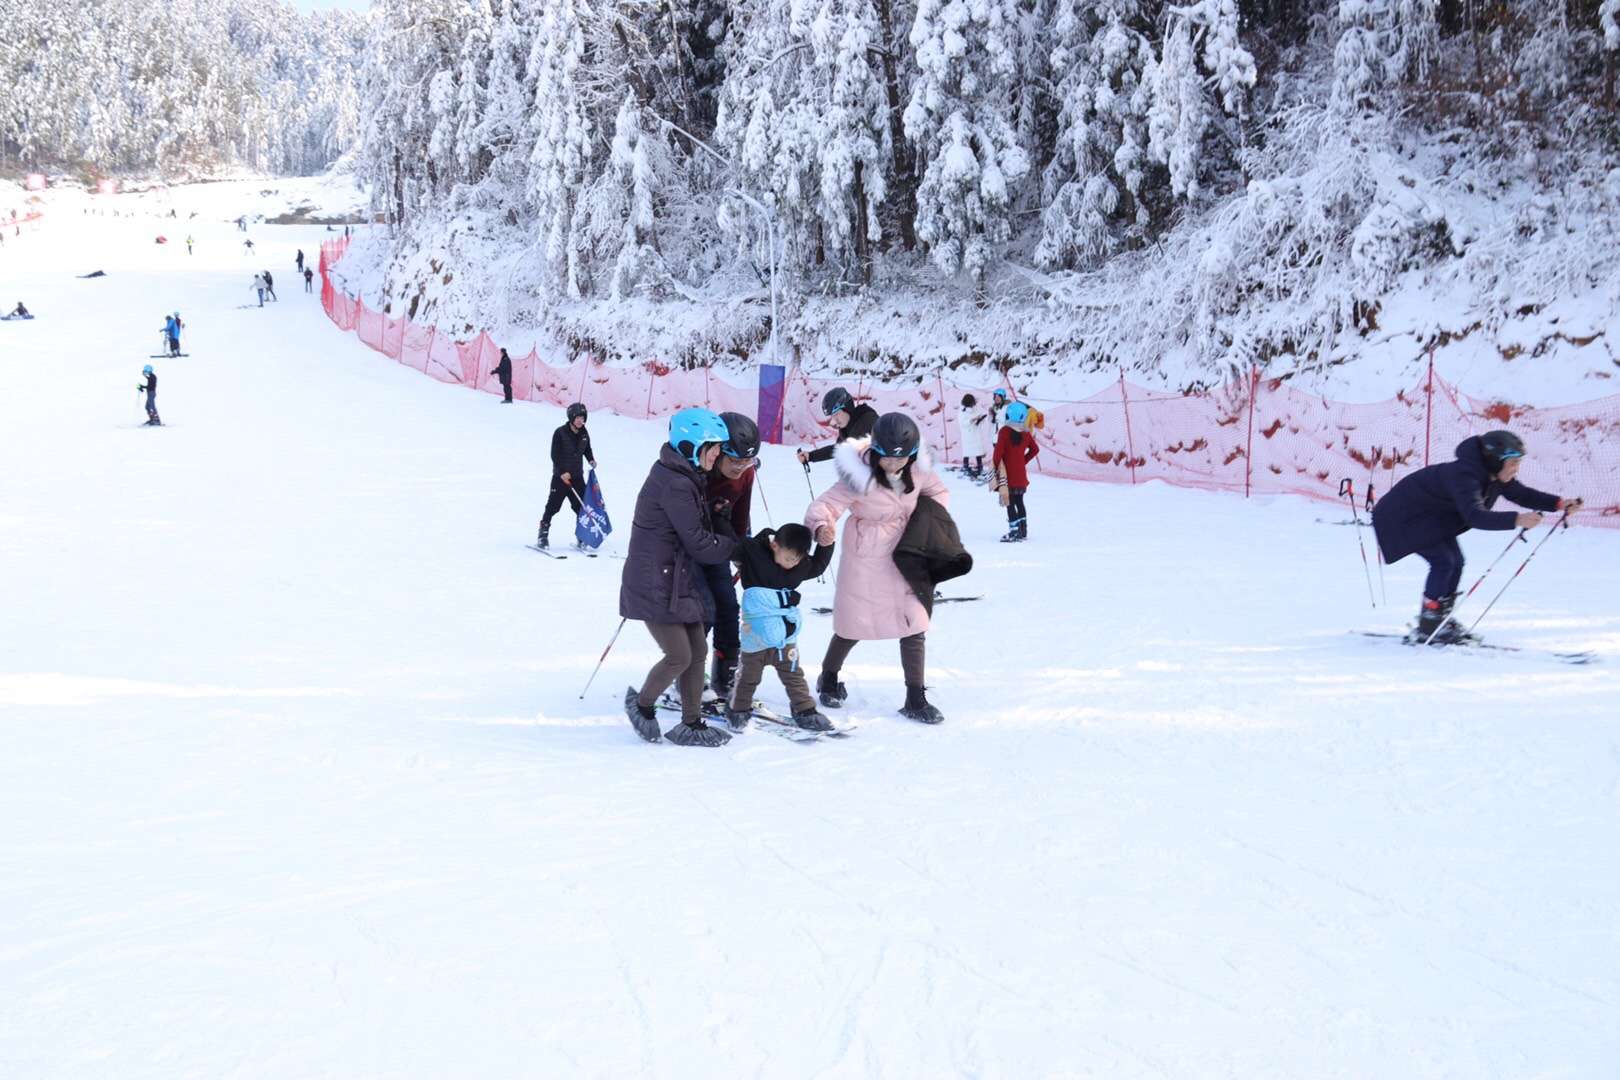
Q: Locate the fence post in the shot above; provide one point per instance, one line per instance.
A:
(584, 370)
(1428, 407)
(1248, 450)
(651, 375)
(1130, 445)
(944, 411)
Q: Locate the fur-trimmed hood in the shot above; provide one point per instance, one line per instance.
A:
(850, 460)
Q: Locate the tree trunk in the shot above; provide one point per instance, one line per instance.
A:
(903, 189)
(863, 250)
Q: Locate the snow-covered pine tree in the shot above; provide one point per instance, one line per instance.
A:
(1093, 184)
(563, 141)
(1181, 110)
(960, 122)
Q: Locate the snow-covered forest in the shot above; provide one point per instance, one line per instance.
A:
(1101, 181)
(181, 86)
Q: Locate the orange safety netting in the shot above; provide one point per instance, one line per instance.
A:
(1257, 436)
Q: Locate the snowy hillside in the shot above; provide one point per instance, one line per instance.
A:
(1322, 191)
(298, 778)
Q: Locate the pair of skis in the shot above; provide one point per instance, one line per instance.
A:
(575, 548)
(1580, 657)
(761, 718)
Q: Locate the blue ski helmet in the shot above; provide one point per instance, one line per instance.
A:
(1000, 394)
(147, 370)
(692, 429)
(1016, 413)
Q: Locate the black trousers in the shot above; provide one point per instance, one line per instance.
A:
(559, 492)
(1017, 517)
(506, 388)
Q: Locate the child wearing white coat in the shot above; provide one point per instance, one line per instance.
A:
(971, 421)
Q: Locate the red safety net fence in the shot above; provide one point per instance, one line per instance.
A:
(1256, 436)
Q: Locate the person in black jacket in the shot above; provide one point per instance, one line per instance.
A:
(570, 449)
(852, 421)
(503, 371)
(150, 387)
(1426, 511)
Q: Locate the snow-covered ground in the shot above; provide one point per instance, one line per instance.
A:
(296, 779)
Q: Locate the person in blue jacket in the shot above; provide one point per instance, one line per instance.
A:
(171, 331)
(773, 565)
(1426, 511)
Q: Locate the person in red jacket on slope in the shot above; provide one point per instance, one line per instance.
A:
(1015, 448)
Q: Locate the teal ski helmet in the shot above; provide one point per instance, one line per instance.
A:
(1016, 413)
(691, 429)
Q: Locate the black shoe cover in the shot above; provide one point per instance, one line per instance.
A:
(698, 734)
(831, 692)
(645, 721)
(812, 721)
(917, 707)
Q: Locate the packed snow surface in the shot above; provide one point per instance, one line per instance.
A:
(297, 779)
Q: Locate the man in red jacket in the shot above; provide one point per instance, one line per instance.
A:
(1015, 448)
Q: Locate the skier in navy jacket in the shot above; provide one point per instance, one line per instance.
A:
(1426, 512)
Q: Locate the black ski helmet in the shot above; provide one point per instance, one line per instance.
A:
(1499, 446)
(742, 436)
(836, 400)
(576, 409)
(896, 435)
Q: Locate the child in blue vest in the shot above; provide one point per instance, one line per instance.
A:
(773, 564)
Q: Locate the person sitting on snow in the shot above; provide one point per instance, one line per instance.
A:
(1427, 510)
(21, 312)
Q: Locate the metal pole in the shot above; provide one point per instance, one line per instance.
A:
(1347, 489)
(1564, 521)
(599, 663)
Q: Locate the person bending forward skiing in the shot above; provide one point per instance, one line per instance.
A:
(1426, 511)
(672, 534)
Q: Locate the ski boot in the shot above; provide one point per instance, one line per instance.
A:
(830, 691)
(917, 707)
(696, 733)
(722, 674)
(812, 721)
(543, 541)
(1435, 625)
(643, 719)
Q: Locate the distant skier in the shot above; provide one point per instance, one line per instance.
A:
(150, 386)
(241, 224)
(570, 449)
(772, 566)
(672, 533)
(21, 311)
(258, 286)
(998, 402)
(269, 285)
(852, 421)
(247, 247)
(882, 481)
(171, 332)
(503, 372)
(730, 486)
(309, 280)
(188, 244)
(1427, 510)
(971, 421)
(300, 260)
(1015, 449)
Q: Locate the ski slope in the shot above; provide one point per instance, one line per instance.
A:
(296, 779)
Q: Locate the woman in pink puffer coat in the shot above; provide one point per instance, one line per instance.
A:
(879, 482)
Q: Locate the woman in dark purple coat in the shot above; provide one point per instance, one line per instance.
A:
(671, 534)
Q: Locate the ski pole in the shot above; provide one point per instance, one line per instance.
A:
(763, 501)
(1519, 539)
(808, 485)
(1383, 593)
(1347, 489)
(1564, 521)
(599, 663)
